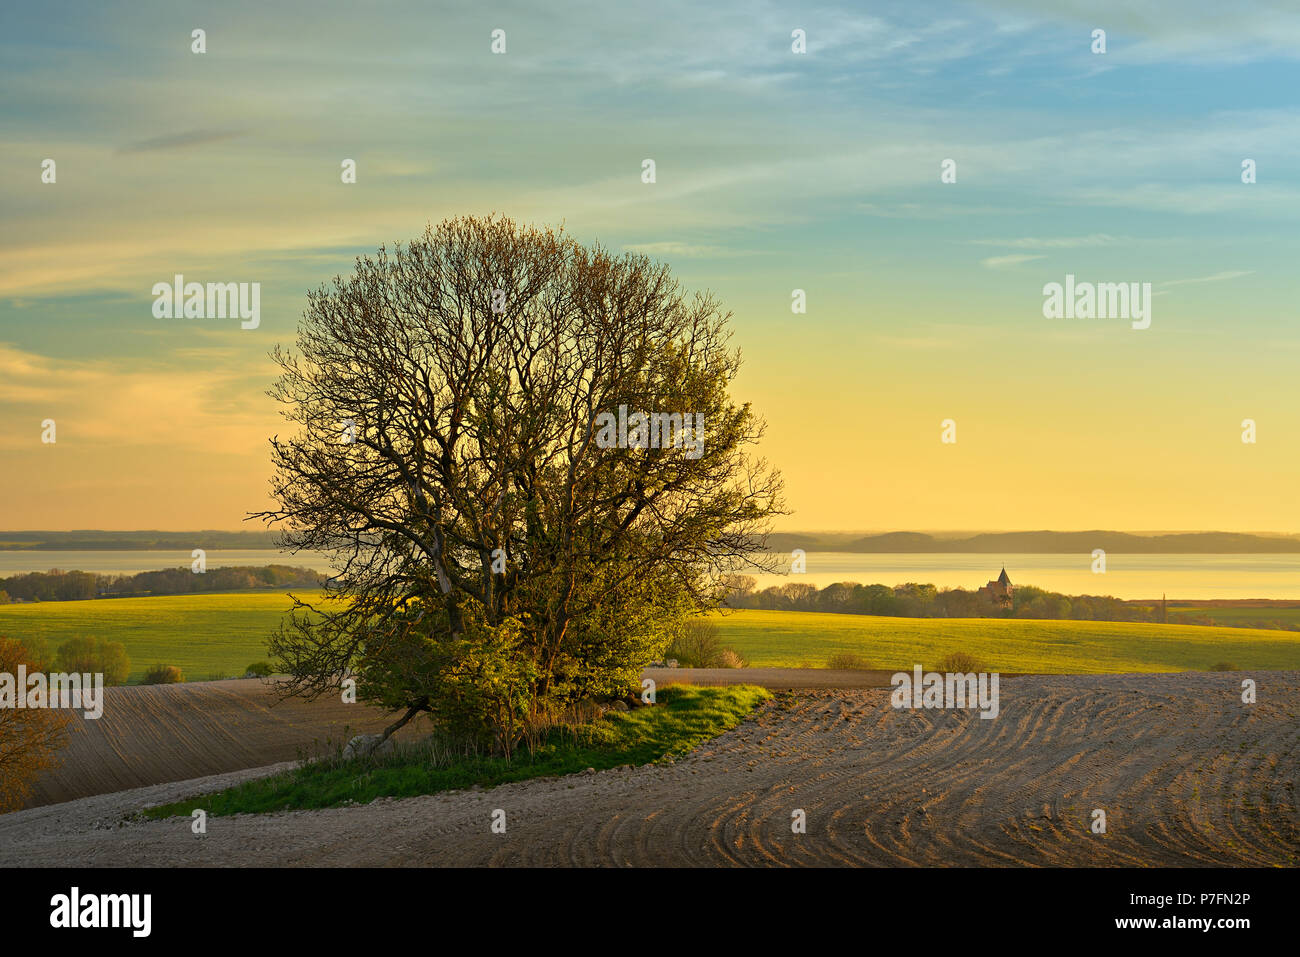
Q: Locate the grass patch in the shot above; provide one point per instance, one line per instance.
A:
(786, 639)
(210, 635)
(219, 634)
(683, 718)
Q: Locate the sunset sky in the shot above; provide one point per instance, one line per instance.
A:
(775, 171)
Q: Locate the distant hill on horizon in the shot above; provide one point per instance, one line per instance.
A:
(1040, 542)
(93, 540)
(1043, 542)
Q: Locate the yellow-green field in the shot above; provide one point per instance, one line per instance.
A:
(769, 639)
(220, 635)
(206, 635)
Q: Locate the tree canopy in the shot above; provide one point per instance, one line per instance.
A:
(500, 549)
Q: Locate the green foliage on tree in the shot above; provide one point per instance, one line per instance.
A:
(86, 654)
(497, 559)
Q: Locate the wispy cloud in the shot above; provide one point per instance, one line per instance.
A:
(1049, 242)
(1008, 262)
(99, 401)
(685, 250)
(917, 342)
(1195, 199)
(1157, 31)
(1217, 277)
(179, 141)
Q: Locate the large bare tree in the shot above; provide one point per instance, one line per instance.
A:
(453, 401)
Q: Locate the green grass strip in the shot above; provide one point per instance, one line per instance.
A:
(682, 719)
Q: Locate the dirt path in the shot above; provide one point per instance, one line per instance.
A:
(774, 678)
(1185, 772)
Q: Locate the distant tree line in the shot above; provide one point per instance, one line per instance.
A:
(95, 540)
(58, 585)
(912, 600)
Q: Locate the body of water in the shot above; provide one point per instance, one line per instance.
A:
(1127, 576)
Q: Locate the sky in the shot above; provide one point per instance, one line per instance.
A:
(774, 171)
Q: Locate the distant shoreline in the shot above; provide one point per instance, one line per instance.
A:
(90, 540)
(990, 543)
(1040, 543)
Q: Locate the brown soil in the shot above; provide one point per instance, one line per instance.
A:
(151, 735)
(1185, 772)
(159, 733)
